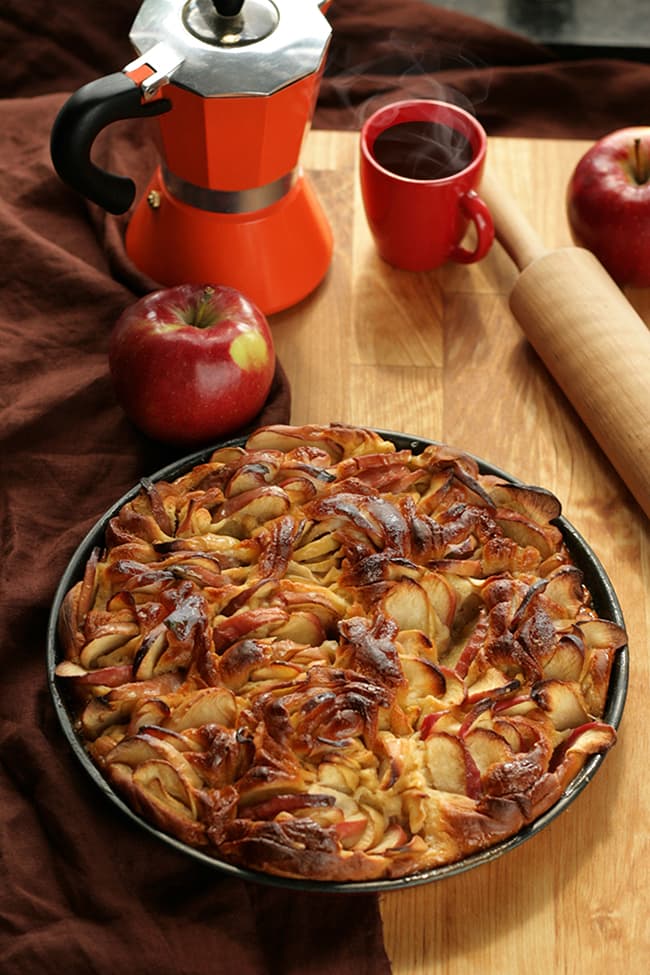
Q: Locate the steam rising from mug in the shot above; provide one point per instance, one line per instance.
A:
(422, 150)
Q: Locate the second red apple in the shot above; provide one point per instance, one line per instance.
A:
(608, 204)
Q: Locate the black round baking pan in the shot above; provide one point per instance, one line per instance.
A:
(605, 603)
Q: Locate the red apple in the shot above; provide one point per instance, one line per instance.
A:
(193, 363)
(608, 204)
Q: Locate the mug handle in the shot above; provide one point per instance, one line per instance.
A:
(475, 210)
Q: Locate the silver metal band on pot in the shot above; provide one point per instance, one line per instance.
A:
(229, 201)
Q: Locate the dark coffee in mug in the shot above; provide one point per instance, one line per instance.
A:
(422, 150)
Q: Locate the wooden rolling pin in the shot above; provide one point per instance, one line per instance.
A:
(590, 338)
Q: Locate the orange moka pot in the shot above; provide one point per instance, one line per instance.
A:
(234, 85)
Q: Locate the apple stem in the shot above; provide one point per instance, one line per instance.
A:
(640, 169)
(203, 312)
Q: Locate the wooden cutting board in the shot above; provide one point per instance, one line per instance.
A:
(441, 355)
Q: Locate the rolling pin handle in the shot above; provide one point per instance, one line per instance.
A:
(592, 341)
(513, 231)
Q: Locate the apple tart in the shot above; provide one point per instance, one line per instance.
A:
(321, 656)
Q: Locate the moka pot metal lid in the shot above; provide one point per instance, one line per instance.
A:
(267, 46)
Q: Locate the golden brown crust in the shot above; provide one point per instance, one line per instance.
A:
(319, 656)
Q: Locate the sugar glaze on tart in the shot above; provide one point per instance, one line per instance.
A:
(323, 657)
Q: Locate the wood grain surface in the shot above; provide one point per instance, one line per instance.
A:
(440, 355)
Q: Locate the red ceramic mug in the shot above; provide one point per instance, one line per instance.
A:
(421, 166)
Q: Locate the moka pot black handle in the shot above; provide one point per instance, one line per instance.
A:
(79, 122)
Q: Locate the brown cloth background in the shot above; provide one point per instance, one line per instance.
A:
(81, 888)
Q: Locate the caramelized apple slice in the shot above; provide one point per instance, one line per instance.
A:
(406, 602)
(537, 504)
(338, 776)
(414, 643)
(488, 748)
(529, 534)
(339, 441)
(567, 661)
(302, 627)
(591, 738)
(117, 637)
(100, 714)
(136, 750)
(374, 830)
(443, 599)
(490, 683)
(210, 705)
(293, 802)
(158, 791)
(327, 605)
(241, 515)
(149, 653)
(603, 634)
(446, 763)
(596, 678)
(563, 702)
(395, 838)
(164, 786)
(117, 706)
(252, 623)
(564, 588)
(149, 713)
(259, 470)
(423, 679)
(113, 676)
